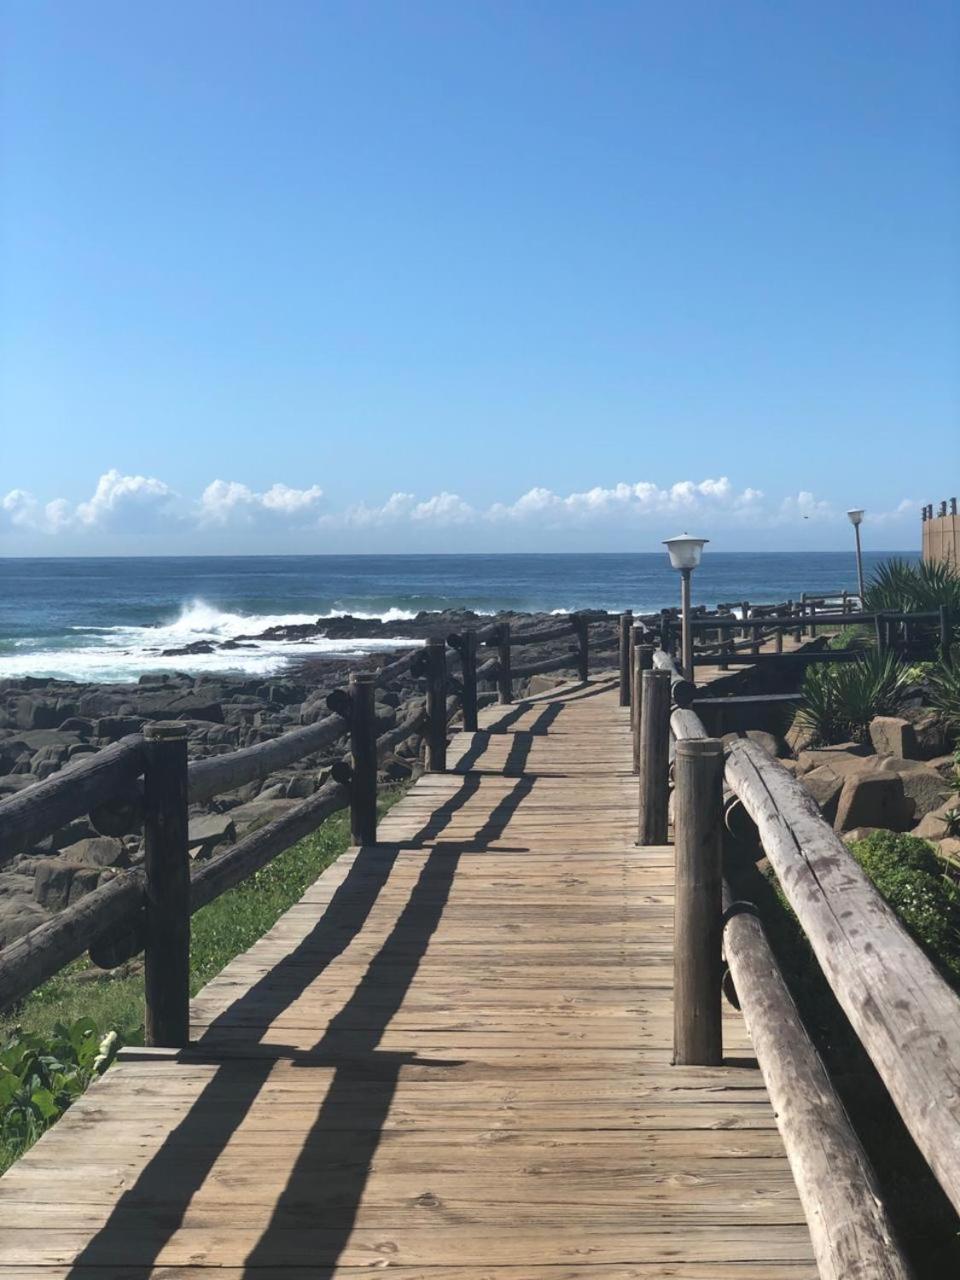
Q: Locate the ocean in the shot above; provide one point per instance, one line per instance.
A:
(108, 619)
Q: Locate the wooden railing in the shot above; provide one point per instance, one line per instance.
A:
(146, 781)
(904, 1013)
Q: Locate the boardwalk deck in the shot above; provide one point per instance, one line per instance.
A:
(451, 1059)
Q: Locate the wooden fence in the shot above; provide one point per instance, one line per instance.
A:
(904, 1013)
(146, 782)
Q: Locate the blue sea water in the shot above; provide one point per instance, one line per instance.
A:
(108, 619)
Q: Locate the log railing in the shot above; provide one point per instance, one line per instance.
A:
(904, 1013)
(145, 781)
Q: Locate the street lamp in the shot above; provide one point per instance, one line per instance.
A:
(855, 517)
(685, 553)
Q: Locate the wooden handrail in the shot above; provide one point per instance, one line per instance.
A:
(850, 1229)
(67, 794)
(905, 1014)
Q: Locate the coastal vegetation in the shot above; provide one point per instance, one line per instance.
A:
(68, 1031)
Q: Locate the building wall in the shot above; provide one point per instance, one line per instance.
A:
(941, 540)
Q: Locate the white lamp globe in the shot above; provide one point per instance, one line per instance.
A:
(685, 551)
(856, 515)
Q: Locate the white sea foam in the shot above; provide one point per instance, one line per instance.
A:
(124, 653)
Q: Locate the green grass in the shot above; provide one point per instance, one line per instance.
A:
(113, 1000)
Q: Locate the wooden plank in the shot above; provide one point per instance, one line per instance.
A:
(450, 1058)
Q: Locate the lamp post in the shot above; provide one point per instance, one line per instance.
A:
(685, 553)
(855, 517)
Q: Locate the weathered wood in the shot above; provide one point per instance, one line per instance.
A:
(36, 956)
(906, 1016)
(638, 635)
(626, 622)
(852, 1236)
(561, 662)
(504, 678)
(698, 819)
(682, 690)
(581, 626)
(467, 648)
(544, 635)
(453, 1053)
(654, 757)
(254, 851)
(436, 761)
(642, 661)
(167, 889)
(216, 774)
(33, 813)
(363, 759)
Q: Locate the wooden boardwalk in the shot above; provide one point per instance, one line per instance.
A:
(451, 1059)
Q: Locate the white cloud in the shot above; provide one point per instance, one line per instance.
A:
(123, 503)
(142, 504)
(225, 502)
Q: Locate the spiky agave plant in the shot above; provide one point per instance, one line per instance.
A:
(943, 683)
(899, 586)
(840, 699)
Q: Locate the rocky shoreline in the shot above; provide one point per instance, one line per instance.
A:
(47, 724)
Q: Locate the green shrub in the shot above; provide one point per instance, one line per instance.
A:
(840, 699)
(911, 877)
(899, 586)
(854, 636)
(40, 1076)
(943, 684)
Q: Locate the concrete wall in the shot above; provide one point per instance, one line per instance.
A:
(941, 539)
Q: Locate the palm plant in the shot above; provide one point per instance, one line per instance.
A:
(840, 699)
(899, 586)
(943, 684)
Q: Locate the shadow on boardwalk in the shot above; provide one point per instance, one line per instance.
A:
(339, 1148)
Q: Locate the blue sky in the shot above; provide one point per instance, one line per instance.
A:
(521, 276)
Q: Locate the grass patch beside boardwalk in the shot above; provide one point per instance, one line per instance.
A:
(113, 1001)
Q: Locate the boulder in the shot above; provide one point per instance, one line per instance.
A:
(934, 824)
(18, 915)
(872, 799)
(932, 735)
(922, 785)
(825, 785)
(948, 768)
(97, 851)
(860, 833)
(949, 849)
(844, 755)
(544, 683)
(257, 813)
(206, 832)
(894, 736)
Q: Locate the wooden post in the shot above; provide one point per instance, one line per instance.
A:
(582, 632)
(166, 959)
(654, 757)
(726, 648)
(697, 919)
(626, 622)
(798, 629)
(363, 751)
(778, 633)
(744, 615)
(436, 652)
(755, 628)
(879, 624)
(642, 661)
(504, 678)
(468, 662)
(636, 639)
(813, 619)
